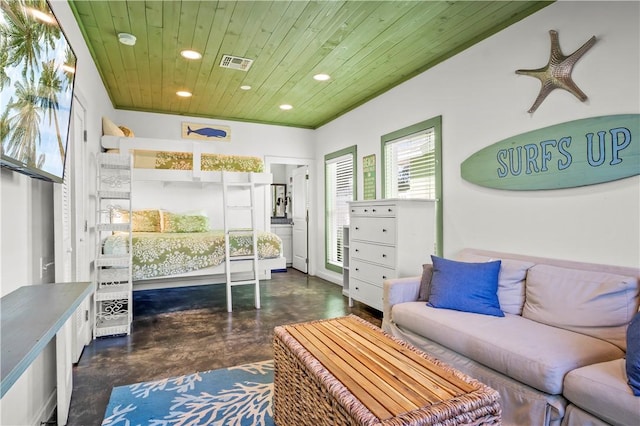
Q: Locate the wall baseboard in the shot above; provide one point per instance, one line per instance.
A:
(47, 410)
(335, 279)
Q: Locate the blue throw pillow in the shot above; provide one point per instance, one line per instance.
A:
(633, 354)
(467, 287)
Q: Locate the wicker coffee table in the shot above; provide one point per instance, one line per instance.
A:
(345, 371)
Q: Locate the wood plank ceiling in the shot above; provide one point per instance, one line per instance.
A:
(367, 47)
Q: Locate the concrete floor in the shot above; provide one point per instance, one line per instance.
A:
(185, 330)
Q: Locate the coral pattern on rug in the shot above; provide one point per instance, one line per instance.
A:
(235, 396)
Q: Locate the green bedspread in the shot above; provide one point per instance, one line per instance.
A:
(161, 254)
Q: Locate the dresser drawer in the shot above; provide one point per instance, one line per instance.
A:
(366, 293)
(375, 229)
(373, 210)
(374, 274)
(383, 255)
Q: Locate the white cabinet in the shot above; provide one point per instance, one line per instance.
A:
(345, 263)
(113, 296)
(81, 326)
(285, 232)
(387, 239)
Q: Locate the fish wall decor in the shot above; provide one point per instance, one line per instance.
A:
(206, 132)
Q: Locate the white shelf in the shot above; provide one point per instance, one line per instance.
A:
(114, 195)
(113, 261)
(113, 227)
(113, 294)
(112, 326)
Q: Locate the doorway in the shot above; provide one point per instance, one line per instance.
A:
(296, 175)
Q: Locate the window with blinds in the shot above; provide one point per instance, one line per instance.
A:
(410, 166)
(339, 190)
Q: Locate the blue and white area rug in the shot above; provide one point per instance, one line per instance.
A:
(235, 396)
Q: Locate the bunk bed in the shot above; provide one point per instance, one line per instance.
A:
(186, 186)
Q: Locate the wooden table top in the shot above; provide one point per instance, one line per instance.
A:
(387, 377)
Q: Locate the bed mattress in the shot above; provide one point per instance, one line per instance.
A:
(162, 254)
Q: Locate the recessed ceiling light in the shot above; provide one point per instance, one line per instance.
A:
(191, 54)
(285, 107)
(126, 38)
(321, 77)
(245, 87)
(184, 93)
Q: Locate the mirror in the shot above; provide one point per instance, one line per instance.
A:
(278, 200)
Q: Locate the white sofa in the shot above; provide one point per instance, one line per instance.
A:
(556, 357)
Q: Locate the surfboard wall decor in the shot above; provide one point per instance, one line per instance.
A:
(566, 155)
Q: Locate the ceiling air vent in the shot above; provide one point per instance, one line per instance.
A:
(236, 63)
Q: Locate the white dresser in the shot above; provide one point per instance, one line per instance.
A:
(387, 239)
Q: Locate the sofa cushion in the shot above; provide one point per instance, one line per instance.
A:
(597, 304)
(602, 390)
(463, 286)
(574, 416)
(530, 352)
(510, 280)
(633, 355)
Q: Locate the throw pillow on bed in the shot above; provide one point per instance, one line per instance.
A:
(467, 287)
(633, 354)
(109, 128)
(172, 222)
(143, 220)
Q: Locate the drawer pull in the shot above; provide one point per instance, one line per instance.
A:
(384, 230)
(365, 210)
(373, 210)
(390, 210)
(357, 269)
(384, 277)
(357, 288)
(357, 228)
(357, 250)
(384, 255)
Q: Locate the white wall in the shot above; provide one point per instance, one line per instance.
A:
(27, 234)
(483, 101)
(246, 138)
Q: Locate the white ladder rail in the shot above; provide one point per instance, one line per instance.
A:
(226, 183)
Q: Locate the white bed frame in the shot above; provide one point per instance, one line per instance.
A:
(189, 190)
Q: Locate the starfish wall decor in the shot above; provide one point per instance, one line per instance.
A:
(557, 73)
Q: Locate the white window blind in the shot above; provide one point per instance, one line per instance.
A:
(339, 191)
(409, 163)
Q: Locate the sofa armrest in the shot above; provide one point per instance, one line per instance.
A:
(398, 290)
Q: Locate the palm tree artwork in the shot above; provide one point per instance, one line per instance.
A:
(37, 68)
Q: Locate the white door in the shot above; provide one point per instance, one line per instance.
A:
(71, 234)
(80, 195)
(82, 328)
(300, 214)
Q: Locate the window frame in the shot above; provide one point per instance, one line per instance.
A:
(353, 151)
(436, 124)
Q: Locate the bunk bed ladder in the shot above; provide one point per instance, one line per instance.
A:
(228, 232)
